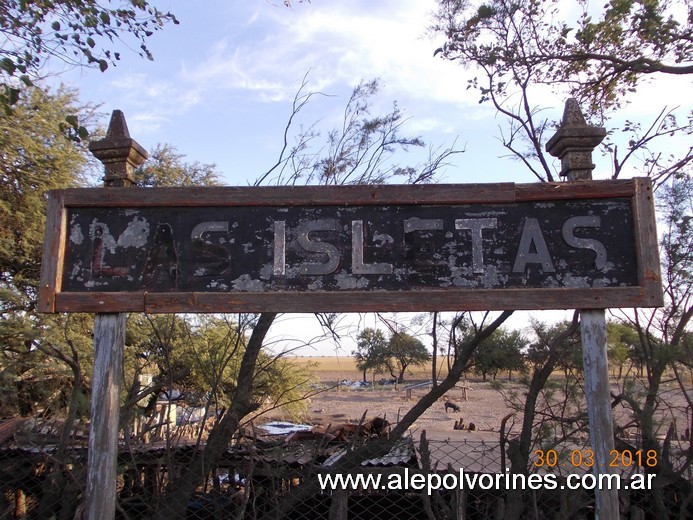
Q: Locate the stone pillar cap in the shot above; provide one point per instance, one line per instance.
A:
(574, 132)
(574, 141)
(119, 153)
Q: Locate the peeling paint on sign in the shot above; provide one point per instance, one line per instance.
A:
(567, 243)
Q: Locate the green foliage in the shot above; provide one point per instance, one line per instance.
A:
(363, 139)
(501, 351)
(553, 348)
(41, 363)
(600, 56)
(371, 351)
(361, 150)
(36, 157)
(166, 167)
(201, 356)
(622, 343)
(41, 355)
(283, 384)
(675, 205)
(405, 351)
(395, 355)
(77, 32)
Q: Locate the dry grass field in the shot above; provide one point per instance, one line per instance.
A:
(332, 369)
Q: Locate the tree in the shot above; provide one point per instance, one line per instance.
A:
(599, 58)
(353, 155)
(622, 344)
(166, 167)
(543, 419)
(519, 46)
(77, 32)
(371, 349)
(405, 351)
(45, 360)
(662, 347)
(35, 157)
(501, 351)
(360, 151)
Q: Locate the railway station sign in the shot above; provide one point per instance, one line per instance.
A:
(587, 244)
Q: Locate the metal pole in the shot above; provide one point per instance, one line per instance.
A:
(120, 155)
(574, 143)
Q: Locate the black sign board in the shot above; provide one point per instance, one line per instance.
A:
(437, 247)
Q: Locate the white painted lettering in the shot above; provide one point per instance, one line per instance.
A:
(357, 242)
(279, 248)
(476, 225)
(304, 231)
(208, 227)
(532, 236)
(585, 243)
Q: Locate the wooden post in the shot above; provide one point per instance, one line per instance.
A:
(574, 143)
(120, 155)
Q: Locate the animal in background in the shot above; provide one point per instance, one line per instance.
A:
(453, 406)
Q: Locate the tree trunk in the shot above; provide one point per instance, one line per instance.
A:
(178, 492)
(54, 484)
(371, 450)
(434, 358)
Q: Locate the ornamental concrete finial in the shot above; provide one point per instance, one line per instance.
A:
(574, 142)
(119, 153)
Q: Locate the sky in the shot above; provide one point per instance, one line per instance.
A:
(222, 82)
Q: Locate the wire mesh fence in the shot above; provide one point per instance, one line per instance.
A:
(413, 478)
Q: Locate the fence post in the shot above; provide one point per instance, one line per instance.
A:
(120, 155)
(573, 143)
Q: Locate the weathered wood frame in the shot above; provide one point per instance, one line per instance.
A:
(647, 294)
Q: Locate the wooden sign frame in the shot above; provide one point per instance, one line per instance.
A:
(644, 291)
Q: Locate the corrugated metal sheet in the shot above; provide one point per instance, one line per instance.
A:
(401, 454)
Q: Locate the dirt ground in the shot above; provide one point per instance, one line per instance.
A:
(484, 407)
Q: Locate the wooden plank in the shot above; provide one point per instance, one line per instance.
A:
(647, 246)
(518, 299)
(99, 302)
(109, 338)
(349, 195)
(597, 391)
(291, 195)
(440, 247)
(575, 190)
(52, 254)
(361, 301)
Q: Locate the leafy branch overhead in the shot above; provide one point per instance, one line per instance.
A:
(600, 58)
(598, 53)
(77, 32)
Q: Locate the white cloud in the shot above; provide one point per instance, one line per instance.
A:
(340, 45)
